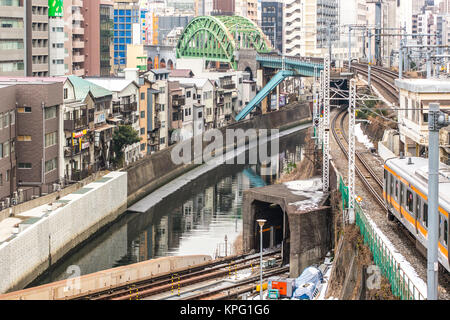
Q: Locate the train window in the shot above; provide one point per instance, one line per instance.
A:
(391, 177)
(440, 226)
(401, 194)
(418, 205)
(445, 232)
(396, 189)
(425, 215)
(409, 201)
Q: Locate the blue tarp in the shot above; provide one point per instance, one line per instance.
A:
(307, 283)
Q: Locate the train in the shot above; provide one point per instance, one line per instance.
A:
(405, 192)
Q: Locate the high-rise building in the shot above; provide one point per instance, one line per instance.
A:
(247, 8)
(98, 18)
(126, 30)
(37, 38)
(272, 22)
(12, 35)
(224, 7)
(74, 44)
(308, 25)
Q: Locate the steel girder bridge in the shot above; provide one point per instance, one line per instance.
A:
(218, 38)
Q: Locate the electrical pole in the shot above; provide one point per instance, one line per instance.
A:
(349, 48)
(400, 59)
(351, 151)
(369, 65)
(326, 125)
(436, 122)
(428, 65)
(320, 108)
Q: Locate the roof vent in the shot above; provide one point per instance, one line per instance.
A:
(410, 161)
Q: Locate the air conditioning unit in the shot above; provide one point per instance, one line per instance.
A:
(8, 202)
(2, 204)
(56, 187)
(14, 201)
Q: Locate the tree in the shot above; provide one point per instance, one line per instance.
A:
(124, 136)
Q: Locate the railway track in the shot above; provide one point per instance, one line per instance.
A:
(383, 79)
(368, 177)
(164, 283)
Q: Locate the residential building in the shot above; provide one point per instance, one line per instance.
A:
(415, 96)
(272, 22)
(87, 148)
(13, 58)
(37, 48)
(74, 44)
(56, 42)
(38, 127)
(98, 26)
(307, 24)
(146, 110)
(224, 7)
(136, 57)
(8, 167)
(248, 9)
(125, 100)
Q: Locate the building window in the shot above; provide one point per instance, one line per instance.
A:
(142, 146)
(142, 131)
(65, 93)
(50, 113)
(8, 175)
(51, 139)
(142, 114)
(24, 110)
(23, 138)
(188, 94)
(143, 96)
(50, 165)
(6, 149)
(13, 117)
(25, 166)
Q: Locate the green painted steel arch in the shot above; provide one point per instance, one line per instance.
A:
(216, 38)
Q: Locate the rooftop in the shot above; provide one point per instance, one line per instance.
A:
(83, 87)
(424, 85)
(112, 84)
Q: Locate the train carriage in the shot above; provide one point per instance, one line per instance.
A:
(405, 190)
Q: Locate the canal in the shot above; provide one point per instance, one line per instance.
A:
(194, 220)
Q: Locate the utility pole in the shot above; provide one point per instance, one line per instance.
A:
(369, 65)
(326, 125)
(320, 108)
(400, 59)
(436, 122)
(428, 65)
(351, 151)
(349, 48)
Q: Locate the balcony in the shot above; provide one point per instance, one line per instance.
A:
(229, 86)
(78, 58)
(129, 107)
(78, 72)
(77, 44)
(74, 125)
(178, 102)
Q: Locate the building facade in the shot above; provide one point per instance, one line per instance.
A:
(272, 23)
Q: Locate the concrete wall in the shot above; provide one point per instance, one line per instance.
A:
(108, 278)
(44, 242)
(148, 174)
(28, 205)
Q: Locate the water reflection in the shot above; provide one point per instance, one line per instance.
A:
(194, 220)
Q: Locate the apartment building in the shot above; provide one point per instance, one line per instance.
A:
(13, 58)
(272, 22)
(125, 100)
(98, 36)
(37, 127)
(307, 24)
(8, 168)
(248, 9)
(37, 26)
(74, 44)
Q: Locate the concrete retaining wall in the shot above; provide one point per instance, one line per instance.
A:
(25, 206)
(44, 242)
(158, 169)
(101, 280)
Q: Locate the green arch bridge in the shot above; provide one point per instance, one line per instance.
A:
(218, 38)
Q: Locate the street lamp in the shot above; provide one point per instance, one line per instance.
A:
(261, 224)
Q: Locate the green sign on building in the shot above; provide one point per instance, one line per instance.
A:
(55, 8)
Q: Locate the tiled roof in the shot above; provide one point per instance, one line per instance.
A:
(82, 88)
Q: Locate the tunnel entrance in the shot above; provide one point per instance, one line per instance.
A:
(276, 229)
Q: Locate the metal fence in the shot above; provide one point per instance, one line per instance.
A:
(401, 285)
